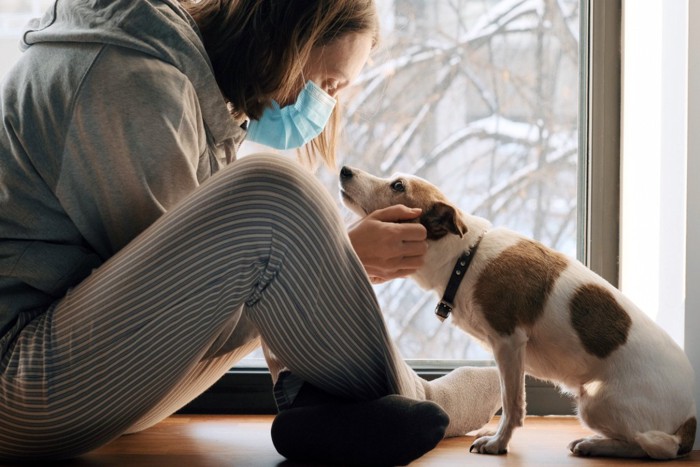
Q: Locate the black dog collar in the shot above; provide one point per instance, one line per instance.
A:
(444, 308)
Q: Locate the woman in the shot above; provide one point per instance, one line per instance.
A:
(135, 269)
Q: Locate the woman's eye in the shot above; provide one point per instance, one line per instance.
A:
(398, 186)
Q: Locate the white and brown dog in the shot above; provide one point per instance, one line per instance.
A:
(547, 315)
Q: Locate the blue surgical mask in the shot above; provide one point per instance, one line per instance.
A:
(293, 126)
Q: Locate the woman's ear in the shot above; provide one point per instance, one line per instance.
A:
(442, 219)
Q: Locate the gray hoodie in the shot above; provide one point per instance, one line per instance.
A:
(110, 118)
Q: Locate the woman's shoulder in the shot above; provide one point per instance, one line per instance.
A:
(130, 72)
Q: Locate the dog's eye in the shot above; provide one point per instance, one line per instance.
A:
(398, 186)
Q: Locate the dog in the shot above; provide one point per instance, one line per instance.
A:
(543, 313)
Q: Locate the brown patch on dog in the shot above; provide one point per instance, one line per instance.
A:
(687, 435)
(600, 322)
(513, 288)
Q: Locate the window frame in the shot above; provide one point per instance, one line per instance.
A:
(248, 390)
(599, 136)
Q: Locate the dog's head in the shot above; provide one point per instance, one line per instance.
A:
(363, 193)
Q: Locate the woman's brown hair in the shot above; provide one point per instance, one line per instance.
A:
(258, 49)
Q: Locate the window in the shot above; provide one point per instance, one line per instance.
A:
(512, 107)
(485, 99)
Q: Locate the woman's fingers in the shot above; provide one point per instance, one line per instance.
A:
(389, 246)
(396, 213)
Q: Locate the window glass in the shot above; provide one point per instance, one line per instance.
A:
(481, 98)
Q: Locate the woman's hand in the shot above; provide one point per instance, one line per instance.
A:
(388, 247)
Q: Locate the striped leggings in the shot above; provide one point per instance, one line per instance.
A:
(257, 254)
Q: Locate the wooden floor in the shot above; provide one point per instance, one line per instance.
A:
(212, 441)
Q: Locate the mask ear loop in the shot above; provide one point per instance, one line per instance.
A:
(304, 83)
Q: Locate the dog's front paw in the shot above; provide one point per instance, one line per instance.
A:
(489, 445)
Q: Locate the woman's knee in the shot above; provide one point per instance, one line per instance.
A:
(270, 190)
(276, 181)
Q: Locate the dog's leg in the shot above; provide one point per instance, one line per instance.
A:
(509, 352)
(606, 447)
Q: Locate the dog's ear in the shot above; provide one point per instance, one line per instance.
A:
(442, 219)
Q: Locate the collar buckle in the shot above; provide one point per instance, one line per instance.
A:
(443, 310)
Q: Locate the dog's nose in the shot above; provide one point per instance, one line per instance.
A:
(345, 173)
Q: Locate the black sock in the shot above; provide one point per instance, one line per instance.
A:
(392, 430)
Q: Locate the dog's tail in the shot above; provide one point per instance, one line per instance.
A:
(660, 445)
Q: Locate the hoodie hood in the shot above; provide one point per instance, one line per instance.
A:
(160, 28)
